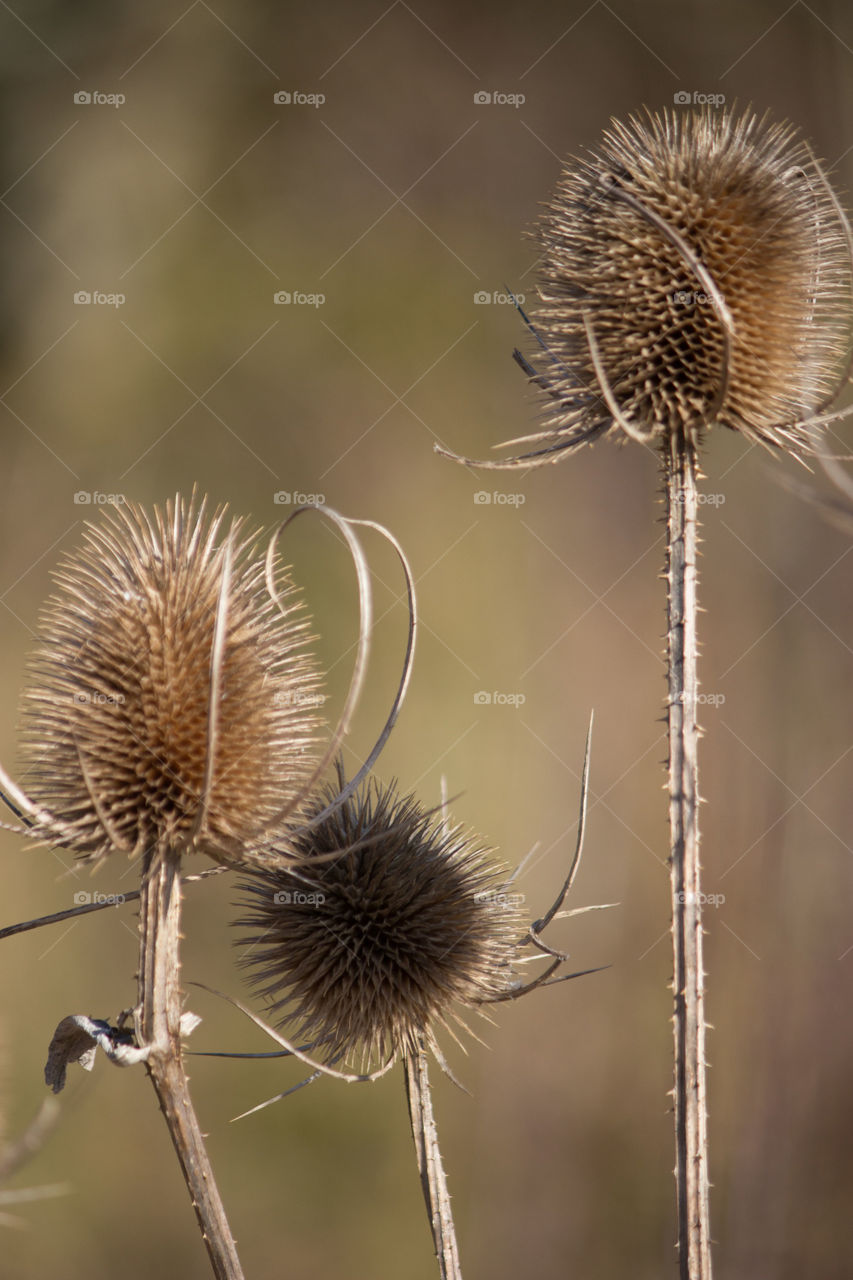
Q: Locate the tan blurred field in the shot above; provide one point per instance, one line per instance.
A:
(398, 199)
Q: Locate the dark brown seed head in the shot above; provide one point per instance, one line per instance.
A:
(150, 725)
(370, 950)
(702, 257)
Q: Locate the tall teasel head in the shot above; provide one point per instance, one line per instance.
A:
(172, 696)
(695, 269)
(382, 928)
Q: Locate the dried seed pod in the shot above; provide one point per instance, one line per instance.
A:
(695, 270)
(744, 198)
(385, 922)
(172, 699)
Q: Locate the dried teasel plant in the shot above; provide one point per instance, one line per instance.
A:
(173, 700)
(390, 926)
(384, 924)
(695, 272)
(173, 711)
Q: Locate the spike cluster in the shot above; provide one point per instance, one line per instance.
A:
(172, 699)
(384, 923)
(695, 270)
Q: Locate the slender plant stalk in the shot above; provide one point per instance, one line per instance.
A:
(159, 1026)
(691, 1133)
(430, 1167)
(615, 357)
(16, 1153)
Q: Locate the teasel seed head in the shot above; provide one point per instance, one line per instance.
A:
(172, 698)
(695, 270)
(747, 200)
(386, 924)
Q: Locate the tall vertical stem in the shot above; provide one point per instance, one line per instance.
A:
(430, 1167)
(691, 1134)
(159, 1027)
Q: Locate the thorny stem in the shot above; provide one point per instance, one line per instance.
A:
(158, 1025)
(430, 1167)
(691, 1117)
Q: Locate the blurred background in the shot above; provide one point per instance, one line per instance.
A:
(147, 166)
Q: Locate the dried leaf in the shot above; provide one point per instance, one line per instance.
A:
(77, 1038)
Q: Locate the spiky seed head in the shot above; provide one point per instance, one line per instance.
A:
(386, 923)
(748, 200)
(136, 735)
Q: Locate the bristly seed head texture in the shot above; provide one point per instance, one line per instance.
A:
(171, 703)
(368, 951)
(695, 270)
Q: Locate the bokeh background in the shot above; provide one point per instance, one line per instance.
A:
(187, 203)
